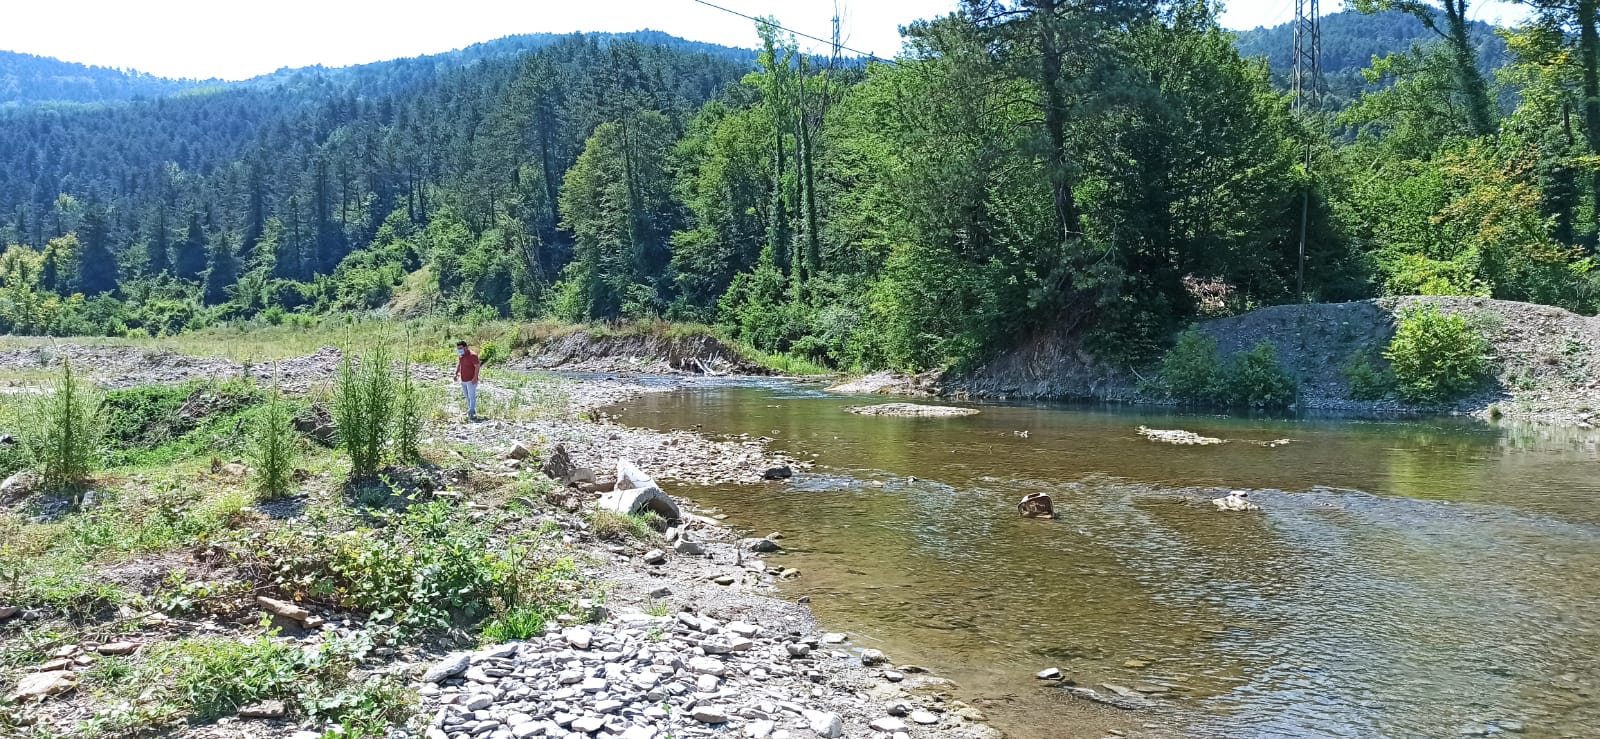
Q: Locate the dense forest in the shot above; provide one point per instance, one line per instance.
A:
(1115, 168)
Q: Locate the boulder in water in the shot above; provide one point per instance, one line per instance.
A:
(1237, 500)
(1177, 436)
(912, 410)
(1037, 505)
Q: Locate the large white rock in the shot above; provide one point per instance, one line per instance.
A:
(636, 493)
(827, 725)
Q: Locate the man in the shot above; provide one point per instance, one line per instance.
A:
(467, 374)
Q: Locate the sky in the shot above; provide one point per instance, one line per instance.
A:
(238, 39)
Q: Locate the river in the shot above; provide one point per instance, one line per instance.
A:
(1406, 578)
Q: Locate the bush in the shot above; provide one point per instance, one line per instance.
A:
(408, 418)
(1191, 370)
(273, 447)
(1436, 357)
(62, 431)
(1365, 381)
(363, 408)
(1256, 380)
(425, 569)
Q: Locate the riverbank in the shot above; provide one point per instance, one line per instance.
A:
(1546, 361)
(692, 635)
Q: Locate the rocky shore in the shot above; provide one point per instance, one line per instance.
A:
(686, 633)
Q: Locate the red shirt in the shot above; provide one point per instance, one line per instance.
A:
(467, 367)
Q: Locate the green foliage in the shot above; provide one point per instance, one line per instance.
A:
(604, 524)
(1256, 380)
(1364, 381)
(1192, 372)
(519, 623)
(409, 416)
(1436, 357)
(274, 446)
(425, 569)
(363, 409)
(62, 430)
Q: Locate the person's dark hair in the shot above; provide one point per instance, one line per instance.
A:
(461, 344)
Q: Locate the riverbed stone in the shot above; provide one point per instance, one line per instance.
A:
(825, 724)
(448, 667)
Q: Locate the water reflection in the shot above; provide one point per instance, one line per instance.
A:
(1406, 578)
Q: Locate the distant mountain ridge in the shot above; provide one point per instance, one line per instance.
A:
(26, 79)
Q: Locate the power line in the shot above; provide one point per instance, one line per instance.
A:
(834, 43)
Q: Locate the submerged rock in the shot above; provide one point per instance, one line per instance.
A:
(1178, 436)
(1037, 505)
(1237, 500)
(912, 410)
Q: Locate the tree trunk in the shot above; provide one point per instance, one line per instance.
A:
(1480, 110)
(1589, 51)
(1055, 118)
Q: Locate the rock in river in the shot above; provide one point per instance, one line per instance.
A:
(912, 410)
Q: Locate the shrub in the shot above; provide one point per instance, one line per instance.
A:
(363, 407)
(1436, 357)
(1364, 381)
(273, 447)
(1255, 379)
(1191, 370)
(425, 569)
(408, 418)
(62, 431)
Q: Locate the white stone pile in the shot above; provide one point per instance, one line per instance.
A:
(653, 677)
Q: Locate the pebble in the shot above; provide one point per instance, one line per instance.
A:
(1050, 674)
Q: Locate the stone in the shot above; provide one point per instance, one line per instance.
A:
(525, 730)
(8, 611)
(640, 495)
(826, 725)
(710, 714)
(581, 476)
(708, 683)
(724, 579)
(661, 592)
(578, 638)
(759, 729)
(924, 718)
(1148, 688)
(1049, 674)
(888, 724)
(446, 668)
(1237, 500)
(283, 608)
(264, 709)
(797, 650)
(834, 637)
(478, 702)
(316, 424)
(1178, 436)
(684, 546)
(639, 732)
(607, 706)
(588, 724)
(1036, 505)
(781, 472)
(17, 484)
(893, 676)
(518, 451)
(761, 546)
(707, 666)
(234, 470)
(655, 557)
(1136, 664)
(871, 657)
(119, 647)
(743, 629)
(42, 684)
(56, 665)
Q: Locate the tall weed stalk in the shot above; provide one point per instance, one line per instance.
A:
(62, 431)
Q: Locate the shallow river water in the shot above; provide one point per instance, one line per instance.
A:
(1406, 578)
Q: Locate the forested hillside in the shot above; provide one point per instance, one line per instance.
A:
(1352, 39)
(1023, 167)
(25, 79)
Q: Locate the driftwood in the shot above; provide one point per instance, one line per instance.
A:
(1036, 505)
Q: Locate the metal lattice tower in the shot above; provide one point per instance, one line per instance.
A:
(1307, 82)
(1307, 85)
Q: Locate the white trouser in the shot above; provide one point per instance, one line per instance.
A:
(471, 389)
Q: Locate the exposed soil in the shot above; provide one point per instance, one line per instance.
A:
(1544, 359)
(583, 351)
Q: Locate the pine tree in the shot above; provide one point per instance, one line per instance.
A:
(223, 269)
(190, 261)
(158, 249)
(97, 267)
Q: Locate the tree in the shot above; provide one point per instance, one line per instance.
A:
(617, 201)
(1470, 87)
(97, 266)
(190, 260)
(222, 269)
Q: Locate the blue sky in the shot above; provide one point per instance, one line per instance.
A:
(235, 39)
